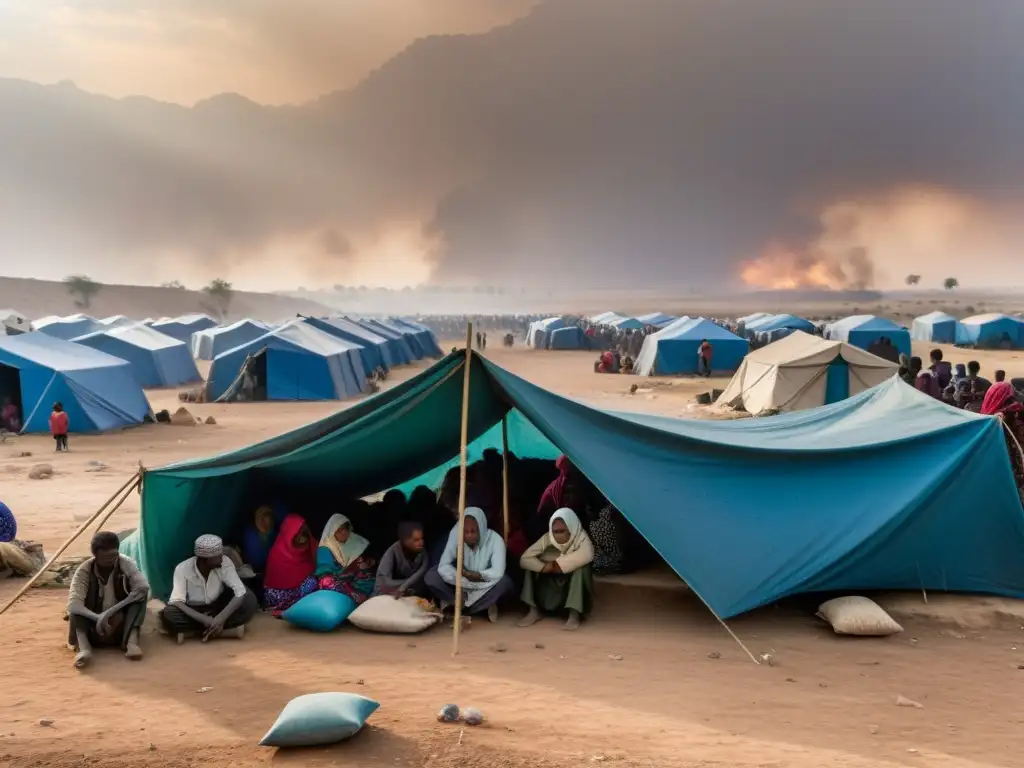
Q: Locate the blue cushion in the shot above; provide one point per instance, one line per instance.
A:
(321, 611)
(319, 718)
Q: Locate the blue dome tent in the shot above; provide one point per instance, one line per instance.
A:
(426, 338)
(627, 324)
(936, 326)
(657, 319)
(748, 319)
(407, 353)
(373, 348)
(572, 337)
(990, 331)
(157, 360)
(99, 392)
(69, 327)
(293, 362)
(182, 328)
(864, 330)
(741, 544)
(674, 349)
(773, 323)
(209, 343)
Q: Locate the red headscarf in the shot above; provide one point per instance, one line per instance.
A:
(1000, 398)
(288, 566)
(555, 493)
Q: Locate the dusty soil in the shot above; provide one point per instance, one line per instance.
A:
(682, 694)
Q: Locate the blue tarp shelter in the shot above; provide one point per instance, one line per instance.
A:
(779, 322)
(182, 328)
(98, 391)
(864, 330)
(673, 349)
(990, 331)
(604, 318)
(426, 337)
(538, 334)
(209, 343)
(373, 348)
(157, 360)
(657, 319)
(418, 352)
(935, 326)
(116, 321)
(627, 324)
(572, 337)
(401, 349)
(746, 512)
(748, 319)
(69, 327)
(295, 362)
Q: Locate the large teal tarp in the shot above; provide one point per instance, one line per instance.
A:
(879, 491)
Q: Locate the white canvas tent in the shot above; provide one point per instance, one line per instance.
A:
(803, 371)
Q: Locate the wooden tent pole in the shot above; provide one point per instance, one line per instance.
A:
(126, 489)
(464, 437)
(504, 473)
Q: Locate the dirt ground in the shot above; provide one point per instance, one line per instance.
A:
(682, 694)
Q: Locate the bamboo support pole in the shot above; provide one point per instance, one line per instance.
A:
(125, 489)
(462, 489)
(504, 473)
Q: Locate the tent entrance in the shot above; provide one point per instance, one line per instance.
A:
(10, 389)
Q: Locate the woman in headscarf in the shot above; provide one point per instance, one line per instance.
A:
(484, 581)
(8, 525)
(558, 572)
(404, 564)
(1001, 401)
(341, 562)
(290, 565)
(259, 537)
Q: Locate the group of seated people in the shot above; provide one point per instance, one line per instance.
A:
(961, 385)
(556, 548)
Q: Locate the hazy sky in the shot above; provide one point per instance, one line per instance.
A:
(702, 144)
(273, 51)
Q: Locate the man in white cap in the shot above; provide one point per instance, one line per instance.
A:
(207, 596)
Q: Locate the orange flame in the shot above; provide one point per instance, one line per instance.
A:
(780, 268)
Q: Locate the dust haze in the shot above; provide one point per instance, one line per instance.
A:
(786, 143)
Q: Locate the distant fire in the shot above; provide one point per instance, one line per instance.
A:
(780, 268)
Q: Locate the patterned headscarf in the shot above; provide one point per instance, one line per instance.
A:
(209, 545)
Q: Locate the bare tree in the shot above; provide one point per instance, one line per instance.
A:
(82, 288)
(912, 279)
(950, 283)
(220, 294)
(175, 284)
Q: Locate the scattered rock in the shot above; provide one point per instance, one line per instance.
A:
(499, 648)
(790, 679)
(152, 747)
(472, 716)
(615, 656)
(410, 645)
(714, 655)
(210, 420)
(23, 454)
(40, 472)
(44, 723)
(903, 701)
(767, 658)
(912, 751)
(182, 418)
(823, 685)
(96, 466)
(539, 646)
(873, 728)
(205, 689)
(1020, 666)
(449, 713)
(359, 681)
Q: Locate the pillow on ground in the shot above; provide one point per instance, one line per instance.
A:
(406, 615)
(858, 616)
(319, 718)
(321, 611)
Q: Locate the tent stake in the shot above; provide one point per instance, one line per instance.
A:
(504, 472)
(127, 489)
(462, 489)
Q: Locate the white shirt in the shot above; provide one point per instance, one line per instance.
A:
(190, 587)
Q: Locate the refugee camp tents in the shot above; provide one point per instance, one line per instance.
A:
(293, 362)
(604, 318)
(627, 324)
(116, 321)
(878, 491)
(803, 371)
(182, 328)
(13, 322)
(157, 360)
(773, 323)
(673, 349)
(426, 337)
(401, 346)
(990, 331)
(572, 337)
(748, 319)
(99, 392)
(537, 335)
(373, 348)
(69, 327)
(864, 330)
(657, 319)
(209, 343)
(386, 326)
(935, 326)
